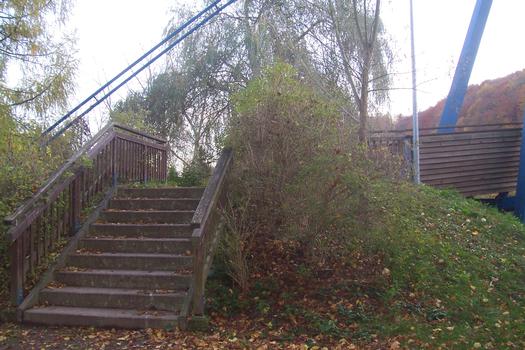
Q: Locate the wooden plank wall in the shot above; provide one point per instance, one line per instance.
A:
(472, 162)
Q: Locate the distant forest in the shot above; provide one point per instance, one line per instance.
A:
(495, 101)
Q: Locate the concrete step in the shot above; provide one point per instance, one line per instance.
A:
(113, 298)
(99, 317)
(124, 279)
(130, 261)
(138, 245)
(168, 192)
(154, 204)
(132, 270)
(140, 230)
(147, 216)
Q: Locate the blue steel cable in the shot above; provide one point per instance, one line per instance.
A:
(127, 69)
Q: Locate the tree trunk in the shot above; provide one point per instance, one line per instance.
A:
(368, 43)
(363, 105)
(250, 41)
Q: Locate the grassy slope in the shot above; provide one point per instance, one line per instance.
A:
(456, 260)
(440, 270)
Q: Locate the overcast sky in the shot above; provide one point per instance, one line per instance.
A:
(113, 33)
(441, 27)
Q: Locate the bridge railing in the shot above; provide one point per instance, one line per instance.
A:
(474, 160)
(44, 223)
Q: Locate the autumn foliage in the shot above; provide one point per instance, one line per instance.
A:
(495, 101)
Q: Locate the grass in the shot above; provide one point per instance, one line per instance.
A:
(462, 262)
(436, 270)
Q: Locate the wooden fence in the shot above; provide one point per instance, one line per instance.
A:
(474, 160)
(56, 210)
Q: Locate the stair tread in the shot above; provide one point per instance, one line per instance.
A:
(134, 239)
(147, 211)
(167, 199)
(111, 291)
(102, 312)
(129, 273)
(139, 230)
(140, 225)
(164, 192)
(132, 255)
(160, 188)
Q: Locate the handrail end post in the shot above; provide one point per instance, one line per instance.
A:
(17, 273)
(198, 304)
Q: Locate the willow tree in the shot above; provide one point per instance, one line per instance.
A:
(350, 47)
(360, 53)
(36, 66)
(336, 45)
(340, 46)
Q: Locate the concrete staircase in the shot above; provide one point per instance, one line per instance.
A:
(132, 270)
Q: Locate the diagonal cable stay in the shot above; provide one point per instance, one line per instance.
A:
(149, 57)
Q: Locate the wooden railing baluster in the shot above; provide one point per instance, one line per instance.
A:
(54, 212)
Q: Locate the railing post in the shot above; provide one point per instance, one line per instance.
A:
(165, 165)
(76, 197)
(114, 162)
(144, 158)
(17, 272)
(198, 274)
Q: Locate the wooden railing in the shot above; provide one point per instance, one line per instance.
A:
(205, 226)
(395, 143)
(55, 212)
(474, 159)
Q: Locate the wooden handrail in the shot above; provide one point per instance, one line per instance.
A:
(12, 219)
(212, 190)
(139, 133)
(135, 139)
(70, 163)
(54, 212)
(204, 223)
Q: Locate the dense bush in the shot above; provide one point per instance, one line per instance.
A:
(299, 172)
(280, 125)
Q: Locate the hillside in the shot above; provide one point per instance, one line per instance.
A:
(324, 246)
(494, 101)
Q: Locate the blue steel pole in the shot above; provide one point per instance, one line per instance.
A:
(519, 202)
(455, 98)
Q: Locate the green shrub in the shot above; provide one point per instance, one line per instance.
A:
(194, 174)
(173, 175)
(24, 167)
(299, 172)
(279, 125)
